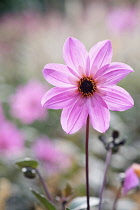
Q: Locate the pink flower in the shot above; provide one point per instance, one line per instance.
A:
(132, 178)
(25, 104)
(122, 20)
(86, 85)
(47, 151)
(11, 139)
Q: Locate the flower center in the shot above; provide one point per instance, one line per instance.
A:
(86, 86)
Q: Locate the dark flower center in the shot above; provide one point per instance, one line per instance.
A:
(86, 86)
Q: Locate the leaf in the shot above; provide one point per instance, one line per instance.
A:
(81, 203)
(27, 162)
(43, 200)
(67, 191)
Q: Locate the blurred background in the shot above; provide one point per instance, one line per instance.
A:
(32, 34)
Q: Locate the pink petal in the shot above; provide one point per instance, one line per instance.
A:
(117, 99)
(100, 55)
(74, 116)
(113, 74)
(88, 67)
(99, 113)
(131, 180)
(101, 71)
(58, 75)
(75, 54)
(58, 98)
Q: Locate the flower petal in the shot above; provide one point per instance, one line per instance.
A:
(74, 116)
(75, 54)
(100, 55)
(99, 114)
(113, 74)
(101, 71)
(117, 99)
(58, 75)
(58, 98)
(88, 67)
(131, 180)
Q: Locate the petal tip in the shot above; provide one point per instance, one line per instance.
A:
(42, 104)
(68, 131)
(132, 70)
(69, 39)
(104, 130)
(107, 42)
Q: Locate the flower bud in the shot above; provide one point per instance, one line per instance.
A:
(115, 134)
(29, 172)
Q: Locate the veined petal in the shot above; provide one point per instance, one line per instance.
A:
(58, 75)
(100, 55)
(74, 116)
(58, 98)
(101, 71)
(117, 99)
(75, 54)
(113, 74)
(99, 114)
(131, 180)
(99, 99)
(88, 67)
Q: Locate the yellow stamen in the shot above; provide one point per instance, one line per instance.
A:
(86, 86)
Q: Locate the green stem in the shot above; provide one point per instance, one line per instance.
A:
(44, 185)
(118, 195)
(64, 205)
(108, 157)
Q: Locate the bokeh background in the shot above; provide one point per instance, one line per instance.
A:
(32, 33)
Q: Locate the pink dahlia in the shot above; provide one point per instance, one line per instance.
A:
(122, 20)
(86, 85)
(25, 103)
(11, 139)
(52, 157)
(132, 178)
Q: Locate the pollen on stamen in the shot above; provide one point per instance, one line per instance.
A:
(86, 86)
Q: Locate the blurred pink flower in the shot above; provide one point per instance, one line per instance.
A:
(122, 20)
(132, 178)
(25, 104)
(46, 151)
(86, 85)
(11, 139)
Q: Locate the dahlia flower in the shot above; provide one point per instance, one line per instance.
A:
(52, 157)
(86, 86)
(122, 20)
(25, 103)
(11, 140)
(132, 178)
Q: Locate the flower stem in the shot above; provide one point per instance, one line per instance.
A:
(87, 162)
(64, 205)
(117, 197)
(108, 157)
(44, 185)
